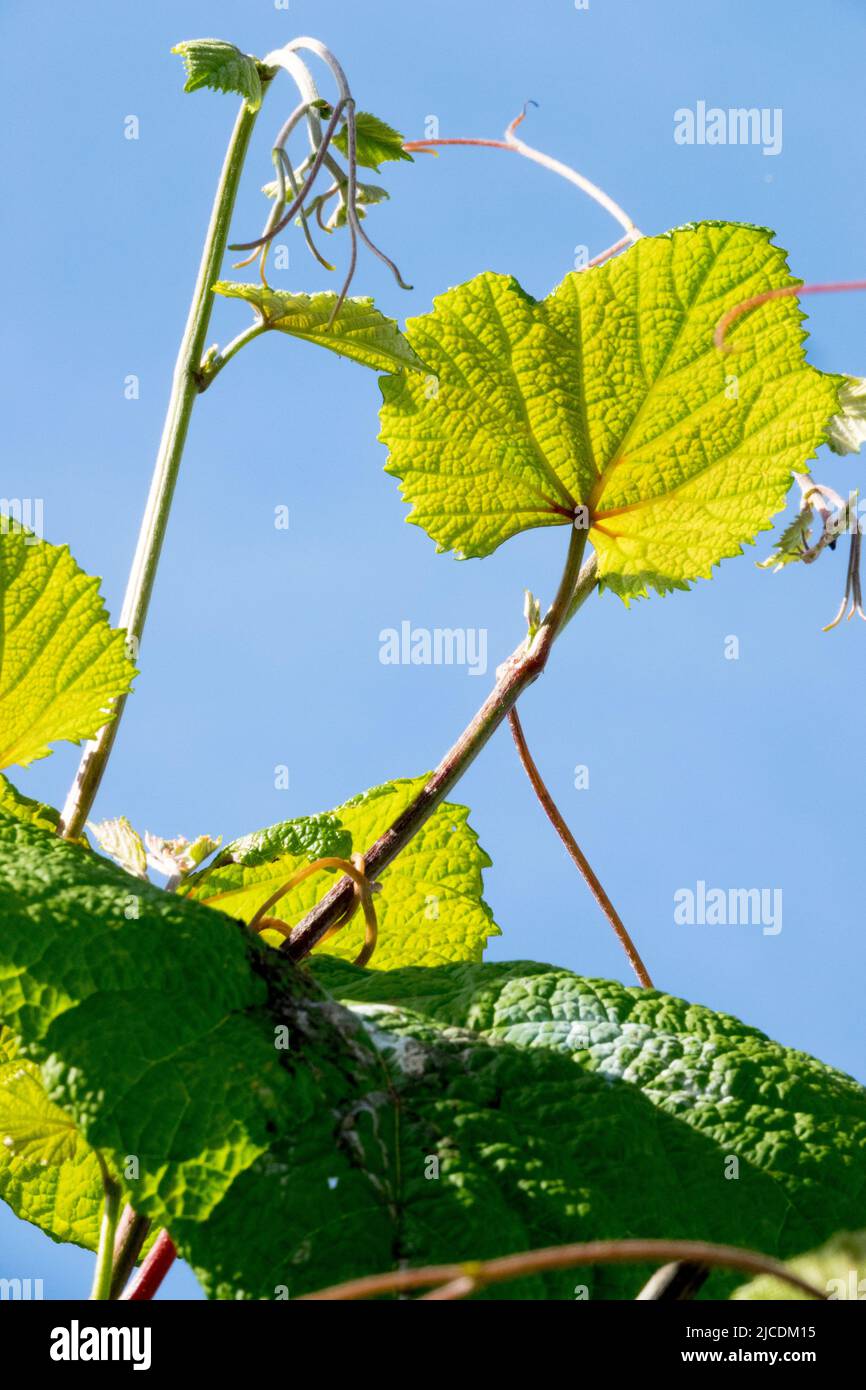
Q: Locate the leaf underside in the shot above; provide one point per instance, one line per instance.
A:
(414, 1115)
(611, 395)
(359, 332)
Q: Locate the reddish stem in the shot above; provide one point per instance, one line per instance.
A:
(827, 287)
(155, 1267)
(576, 853)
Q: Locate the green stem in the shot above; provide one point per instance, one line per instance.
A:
(213, 368)
(184, 390)
(523, 667)
(105, 1250)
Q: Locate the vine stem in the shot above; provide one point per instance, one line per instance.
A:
(579, 858)
(184, 390)
(131, 1234)
(155, 1267)
(523, 667)
(105, 1250)
(457, 1280)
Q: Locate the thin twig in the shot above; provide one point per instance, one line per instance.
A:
(477, 1274)
(556, 819)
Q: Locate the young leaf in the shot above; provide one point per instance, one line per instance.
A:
(375, 142)
(123, 843)
(846, 431)
(837, 1269)
(222, 67)
(48, 1175)
(61, 665)
(610, 396)
(359, 331)
(791, 544)
(430, 909)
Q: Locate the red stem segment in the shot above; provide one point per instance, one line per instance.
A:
(155, 1267)
(577, 855)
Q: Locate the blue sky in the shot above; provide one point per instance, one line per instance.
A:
(262, 646)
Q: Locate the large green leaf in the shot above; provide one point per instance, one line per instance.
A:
(359, 331)
(61, 664)
(222, 67)
(430, 909)
(146, 1015)
(442, 1113)
(718, 1089)
(610, 395)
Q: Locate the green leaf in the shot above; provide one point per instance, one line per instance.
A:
(375, 142)
(61, 664)
(663, 1089)
(14, 803)
(359, 331)
(610, 396)
(430, 909)
(48, 1175)
(847, 430)
(416, 1115)
(156, 1025)
(791, 543)
(147, 1017)
(245, 874)
(222, 67)
(838, 1269)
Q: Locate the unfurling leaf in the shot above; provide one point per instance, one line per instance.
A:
(61, 664)
(793, 541)
(222, 67)
(376, 142)
(609, 404)
(359, 331)
(123, 843)
(178, 857)
(846, 431)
